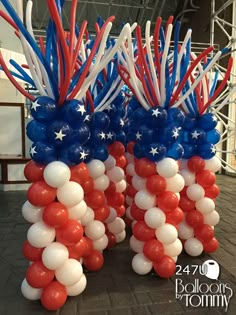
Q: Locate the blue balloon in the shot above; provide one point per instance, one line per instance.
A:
(175, 151)
(169, 134)
(213, 136)
(100, 120)
(74, 112)
(189, 122)
(157, 117)
(139, 150)
(36, 131)
(197, 136)
(139, 116)
(110, 136)
(117, 123)
(144, 134)
(59, 133)
(76, 153)
(98, 137)
(43, 109)
(155, 152)
(119, 100)
(101, 153)
(121, 136)
(110, 110)
(206, 151)
(207, 121)
(42, 152)
(81, 134)
(189, 150)
(176, 116)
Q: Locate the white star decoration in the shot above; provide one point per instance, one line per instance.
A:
(109, 108)
(83, 155)
(175, 133)
(109, 135)
(195, 134)
(153, 151)
(87, 118)
(81, 109)
(213, 149)
(214, 118)
(122, 123)
(59, 135)
(35, 105)
(155, 112)
(102, 135)
(33, 151)
(138, 136)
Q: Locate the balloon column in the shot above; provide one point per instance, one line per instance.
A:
(75, 200)
(172, 87)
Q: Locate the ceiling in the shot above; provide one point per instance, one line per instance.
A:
(125, 11)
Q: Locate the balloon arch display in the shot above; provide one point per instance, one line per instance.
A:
(122, 132)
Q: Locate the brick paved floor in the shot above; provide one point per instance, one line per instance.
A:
(116, 289)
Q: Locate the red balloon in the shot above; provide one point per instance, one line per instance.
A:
(137, 213)
(120, 211)
(88, 247)
(194, 218)
(183, 191)
(196, 164)
(128, 221)
(145, 168)
(33, 171)
(212, 191)
(55, 214)
(121, 161)
(94, 261)
(142, 231)
(111, 240)
(79, 173)
(81, 249)
(131, 191)
(156, 184)
(95, 199)
(165, 268)
(38, 276)
(117, 149)
(31, 253)
(205, 178)
(153, 250)
(88, 185)
(70, 233)
(175, 216)
(116, 200)
(54, 296)
(111, 188)
(204, 233)
(102, 213)
(186, 204)
(130, 147)
(129, 179)
(211, 246)
(40, 194)
(167, 201)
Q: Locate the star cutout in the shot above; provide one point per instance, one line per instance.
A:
(195, 134)
(35, 105)
(59, 135)
(87, 118)
(175, 133)
(155, 112)
(122, 123)
(102, 135)
(81, 109)
(83, 155)
(213, 149)
(154, 151)
(109, 135)
(214, 118)
(33, 151)
(109, 108)
(138, 136)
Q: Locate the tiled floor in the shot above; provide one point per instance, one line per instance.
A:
(116, 289)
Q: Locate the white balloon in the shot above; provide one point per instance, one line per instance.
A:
(110, 162)
(175, 258)
(55, 255)
(185, 231)
(101, 243)
(205, 205)
(96, 168)
(175, 183)
(87, 217)
(183, 164)
(40, 235)
(56, 174)
(166, 233)
(95, 229)
(144, 200)
(112, 216)
(70, 194)
(116, 174)
(102, 182)
(117, 226)
(130, 170)
(129, 200)
(213, 164)
(193, 247)
(212, 218)
(121, 186)
(129, 157)
(136, 245)
(141, 265)
(178, 196)
(173, 249)
(167, 167)
(78, 211)
(120, 237)
(31, 213)
(138, 183)
(29, 292)
(195, 192)
(128, 214)
(78, 287)
(188, 176)
(133, 223)
(70, 272)
(154, 217)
